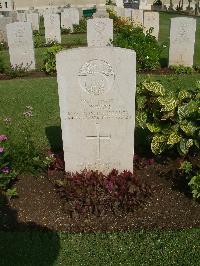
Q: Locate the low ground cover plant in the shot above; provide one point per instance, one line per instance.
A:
(182, 69)
(2, 65)
(7, 174)
(49, 62)
(131, 36)
(96, 193)
(81, 28)
(18, 71)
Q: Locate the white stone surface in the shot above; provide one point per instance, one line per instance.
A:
(151, 20)
(66, 21)
(120, 11)
(99, 31)
(120, 3)
(34, 19)
(73, 13)
(101, 13)
(3, 33)
(137, 16)
(128, 13)
(6, 5)
(20, 42)
(182, 40)
(21, 17)
(52, 28)
(97, 106)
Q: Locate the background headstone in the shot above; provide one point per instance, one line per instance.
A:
(97, 106)
(128, 13)
(120, 11)
(119, 3)
(99, 31)
(3, 33)
(101, 13)
(151, 20)
(137, 16)
(34, 19)
(182, 40)
(20, 42)
(66, 21)
(21, 16)
(52, 28)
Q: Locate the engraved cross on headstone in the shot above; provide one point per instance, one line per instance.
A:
(98, 137)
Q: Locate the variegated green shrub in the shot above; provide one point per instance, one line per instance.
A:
(173, 118)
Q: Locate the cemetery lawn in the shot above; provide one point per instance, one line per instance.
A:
(123, 248)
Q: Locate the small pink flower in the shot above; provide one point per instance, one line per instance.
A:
(1, 149)
(3, 137)
(5, 170)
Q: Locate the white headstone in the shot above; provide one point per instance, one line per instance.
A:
(34, 19)
(151, 20)
(52, 28)
(137, 16)
(120, 11)
(101, 13)
(66, 21)
(97, 106)
(6, 5)
(182, 40)
(3, 33)
(99, 32)
(20, 42)
(119, 3)
(21, 16)
(128, 13)
(73, 13)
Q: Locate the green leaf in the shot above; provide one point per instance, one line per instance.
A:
(185, 145)
(158, 144)
(188, 127)
(183, 95)
(141, 100)
(141, 118)
(169, 103)
(186, 110)
(155, 87)
(154, 128)
(173, 138)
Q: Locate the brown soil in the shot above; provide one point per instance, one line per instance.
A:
(39, 205)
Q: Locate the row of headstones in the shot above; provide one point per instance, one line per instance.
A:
(99, 33)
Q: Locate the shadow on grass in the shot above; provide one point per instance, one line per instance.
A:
(25, 243)
(164, 62)
(54, 135)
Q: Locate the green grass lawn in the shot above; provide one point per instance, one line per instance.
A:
(42, 95)
(152, 248)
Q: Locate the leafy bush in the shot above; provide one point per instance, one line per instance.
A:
(2, 65)
(25, 155)
(17, 71)
(50, 59)
(3, 46)
(193, 175)
(38, 41)
(6, 173)
(65, 31)
(182, 69)
(173, 118)
(94, 192)
(131, 36)
(82, 27)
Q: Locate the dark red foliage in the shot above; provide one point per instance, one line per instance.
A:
(94, 192)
